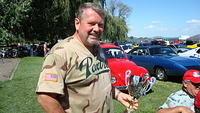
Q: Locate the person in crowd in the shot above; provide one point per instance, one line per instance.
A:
(182, 101)
(35, 49)
(74, 78)
(45, 48)
(2, 53)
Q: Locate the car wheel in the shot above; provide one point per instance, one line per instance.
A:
(160, 74)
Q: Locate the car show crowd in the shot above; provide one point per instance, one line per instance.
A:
(162, 61)
(19, 51)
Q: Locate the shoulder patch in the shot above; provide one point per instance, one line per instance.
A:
(51, 77)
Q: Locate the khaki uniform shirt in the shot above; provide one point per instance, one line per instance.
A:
(79, 77)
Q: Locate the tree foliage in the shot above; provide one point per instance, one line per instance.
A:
(123, 10)
(118, 9)
(116, 28)
(13, 13)
(47, 20)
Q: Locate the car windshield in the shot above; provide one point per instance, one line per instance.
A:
(162, 51)
(114, 53)
(180, 45)
(125, 47)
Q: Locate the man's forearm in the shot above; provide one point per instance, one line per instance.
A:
(178, 109)
(50, 104)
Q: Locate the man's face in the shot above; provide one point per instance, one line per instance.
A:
(90, 27)
(192, 88)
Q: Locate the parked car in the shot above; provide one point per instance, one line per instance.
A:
(121, 68)
(126, 48)
(153, 42)
(23, 51)
(193, 52)
(162, 61)
(194, 45)
(179, 48)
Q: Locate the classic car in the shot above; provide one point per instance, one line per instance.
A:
(179, 48)
(121, 68)
(194, 45)
(162, 61)
(193, 52)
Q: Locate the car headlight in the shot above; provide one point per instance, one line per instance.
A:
(113, 80)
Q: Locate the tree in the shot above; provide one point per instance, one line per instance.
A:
(13, 14)
(116, 28)
(123, 10)
(53, 19)
(46, 20)
(118, 9)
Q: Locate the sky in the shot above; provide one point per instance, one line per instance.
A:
(167, 18)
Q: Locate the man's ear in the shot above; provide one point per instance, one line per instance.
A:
(77, 23)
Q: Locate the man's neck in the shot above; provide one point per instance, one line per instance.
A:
(93, 49)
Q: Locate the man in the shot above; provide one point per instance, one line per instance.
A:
(73, 79)
(183, 100)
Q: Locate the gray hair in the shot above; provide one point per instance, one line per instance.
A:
(186, 81)
(97, 8)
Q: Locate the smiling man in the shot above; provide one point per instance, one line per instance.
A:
(73, 79)
(182, 101)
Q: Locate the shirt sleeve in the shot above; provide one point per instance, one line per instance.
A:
(51, 78)
(177, 100)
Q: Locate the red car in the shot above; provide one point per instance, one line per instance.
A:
(121, 68)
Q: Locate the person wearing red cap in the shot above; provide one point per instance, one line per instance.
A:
(182, 101)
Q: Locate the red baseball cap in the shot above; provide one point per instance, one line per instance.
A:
(197, 100)
(192, 75)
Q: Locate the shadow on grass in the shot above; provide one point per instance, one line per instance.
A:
(175, 79)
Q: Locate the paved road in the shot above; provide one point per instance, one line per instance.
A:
(7, 67)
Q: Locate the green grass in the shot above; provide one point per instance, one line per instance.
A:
(18, 95)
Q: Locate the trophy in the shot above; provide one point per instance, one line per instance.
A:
(138, 86)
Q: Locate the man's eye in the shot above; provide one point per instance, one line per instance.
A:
(92, 24)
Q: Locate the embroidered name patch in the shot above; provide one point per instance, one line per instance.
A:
(51, 77)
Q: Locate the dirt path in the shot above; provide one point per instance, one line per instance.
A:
(7, 67)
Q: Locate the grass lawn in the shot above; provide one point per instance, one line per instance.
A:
(18, 95)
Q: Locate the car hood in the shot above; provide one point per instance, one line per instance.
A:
(119, 66)
(186, 61)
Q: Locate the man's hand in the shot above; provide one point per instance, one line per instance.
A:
(126, 100)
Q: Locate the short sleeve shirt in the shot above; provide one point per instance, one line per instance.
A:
(179, 98)
(82, 80)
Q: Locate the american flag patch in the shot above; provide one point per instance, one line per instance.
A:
(51, 77)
